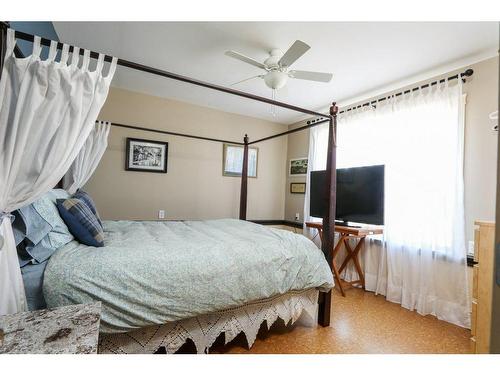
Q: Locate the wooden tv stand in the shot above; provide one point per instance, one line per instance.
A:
(347, 233)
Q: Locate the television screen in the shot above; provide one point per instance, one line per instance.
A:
(360, 194)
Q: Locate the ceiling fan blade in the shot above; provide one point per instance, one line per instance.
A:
(246, 59)
(294, 52)
(311, 76)
(247, 79)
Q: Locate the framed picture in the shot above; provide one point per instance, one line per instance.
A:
(143, 155)
(298, 187)
(298, 167)
(232, 160)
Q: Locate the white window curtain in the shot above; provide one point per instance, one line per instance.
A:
(318, 149)
(88, 158)
(47, 111)
(421, 263)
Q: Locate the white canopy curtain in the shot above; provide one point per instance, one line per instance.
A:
(88, 158)
(419, 138)
(47, 110)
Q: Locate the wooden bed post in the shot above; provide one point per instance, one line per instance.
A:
(244, 181)
(329, 219)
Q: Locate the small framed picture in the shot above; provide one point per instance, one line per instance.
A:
(143, 155)
(232, 160)
(298, 167)
(298, 187)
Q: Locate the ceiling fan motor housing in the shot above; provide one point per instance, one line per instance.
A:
(272, 61)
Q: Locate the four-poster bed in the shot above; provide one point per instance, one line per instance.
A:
(327, 245)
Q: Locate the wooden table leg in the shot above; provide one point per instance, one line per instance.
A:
(336, 273)
(334, 266)
(355, 254)
(352, 254)
(348, 256)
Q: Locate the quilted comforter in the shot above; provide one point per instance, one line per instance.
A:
(152, 273)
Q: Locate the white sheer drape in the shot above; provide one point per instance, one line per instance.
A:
(318, 148)
(47, 111)
(88, 158)
(419, 138)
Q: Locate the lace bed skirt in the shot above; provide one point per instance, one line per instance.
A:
(205, 329)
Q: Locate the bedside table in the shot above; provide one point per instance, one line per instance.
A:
(69, 329)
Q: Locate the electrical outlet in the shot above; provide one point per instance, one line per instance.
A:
(297, 216)
(161, 214)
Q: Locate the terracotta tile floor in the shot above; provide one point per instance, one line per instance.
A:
(361, 323)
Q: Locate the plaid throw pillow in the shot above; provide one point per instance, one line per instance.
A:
(81, 221)
(84, 196)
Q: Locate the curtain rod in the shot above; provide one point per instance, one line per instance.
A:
(172, 133)
(163, 73)
(469, 72)
(310, 123)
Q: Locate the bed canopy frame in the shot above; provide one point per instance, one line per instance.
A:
(327, 244)
(320, 118)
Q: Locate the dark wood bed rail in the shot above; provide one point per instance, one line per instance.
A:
(309, 125)
(163, 73)
(177, 134)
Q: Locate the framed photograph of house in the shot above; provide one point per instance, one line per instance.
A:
(298, 187)
(298, 167)
(143, 155)
(232, 160)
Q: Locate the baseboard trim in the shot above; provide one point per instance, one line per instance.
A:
(295, 224)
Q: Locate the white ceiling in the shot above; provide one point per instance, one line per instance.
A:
(362, 56)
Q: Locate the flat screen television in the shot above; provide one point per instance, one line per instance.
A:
(360, 195)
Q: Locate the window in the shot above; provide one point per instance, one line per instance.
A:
(233, 160)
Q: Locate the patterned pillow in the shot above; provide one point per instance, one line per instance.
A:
(81, 222)
(46, 207)
(39, 230)
(84, 196)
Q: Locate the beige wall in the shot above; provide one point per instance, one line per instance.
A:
(480, 164)
(480, 148)
(194, 187)
(298, 147)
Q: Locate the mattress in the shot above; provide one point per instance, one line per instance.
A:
(151, 273)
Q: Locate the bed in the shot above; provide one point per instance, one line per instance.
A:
(59, 295)
(154, 274)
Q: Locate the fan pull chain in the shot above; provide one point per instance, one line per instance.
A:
(274, 109)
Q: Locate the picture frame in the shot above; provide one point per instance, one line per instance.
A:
(145, 155)
(298, 167)
(232, 160)
(297, 187)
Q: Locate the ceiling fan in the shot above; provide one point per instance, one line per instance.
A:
(277, 66)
